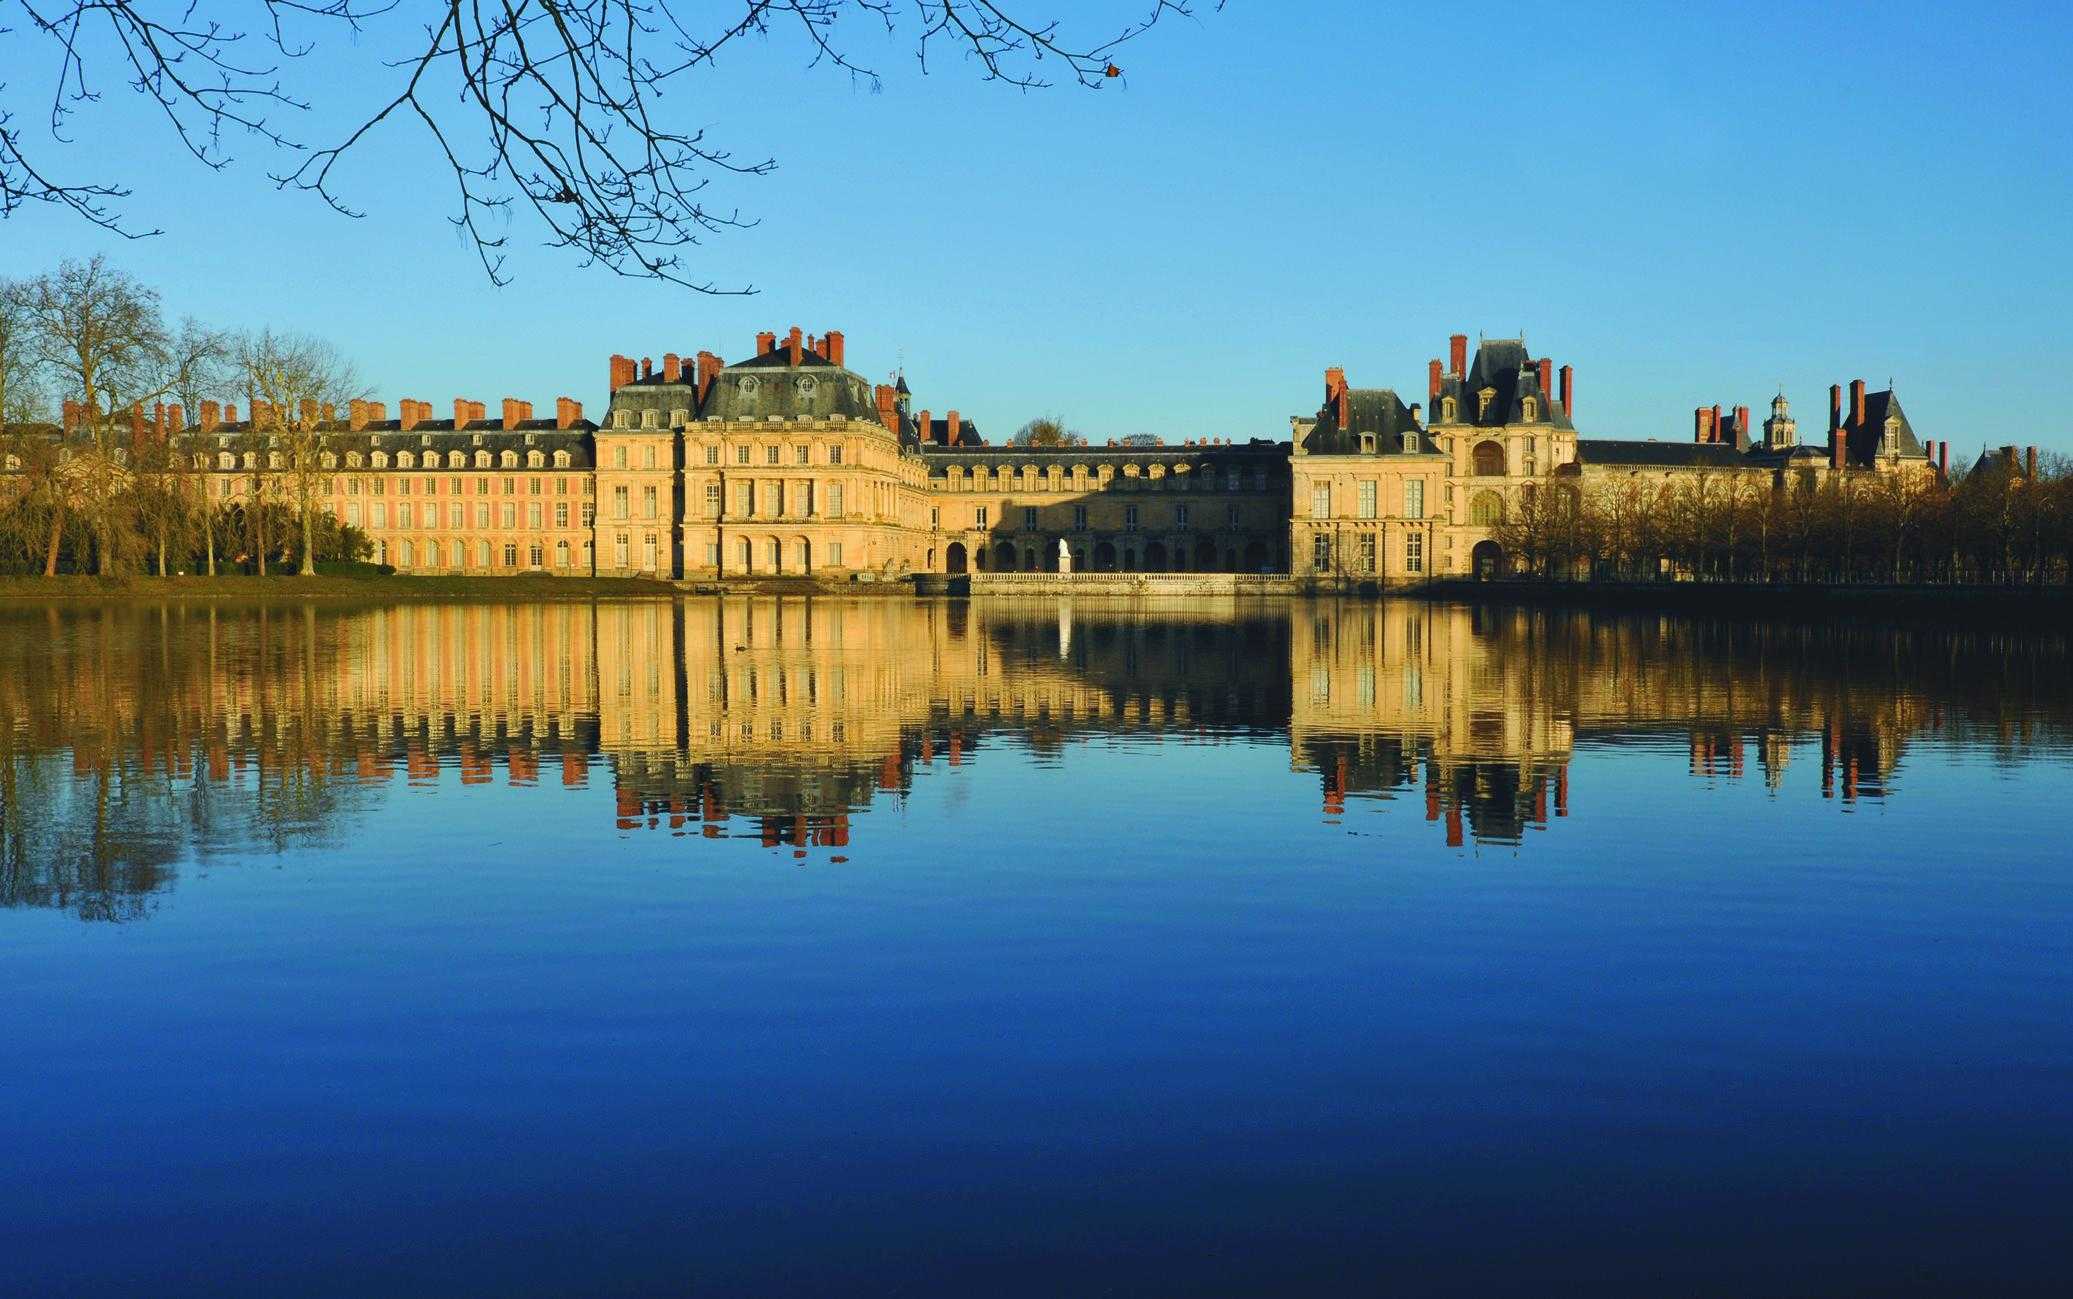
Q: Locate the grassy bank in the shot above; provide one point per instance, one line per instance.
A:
(328, 587)
(2026, 606)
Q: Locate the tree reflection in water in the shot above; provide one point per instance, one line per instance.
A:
(142, 736)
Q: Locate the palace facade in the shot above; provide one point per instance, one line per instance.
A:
(789, 464)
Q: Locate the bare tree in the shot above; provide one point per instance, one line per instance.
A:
(1047, 431)
(552, 107)
(300, 381)
(21, 378)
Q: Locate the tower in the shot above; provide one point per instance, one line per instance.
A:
(1780, 430)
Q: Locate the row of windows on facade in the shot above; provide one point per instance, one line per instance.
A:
(377, 515)
(408, 554)
(1183, 516)
(769, 556)
(1366, 504)
(1079, 479)
(1365, 552)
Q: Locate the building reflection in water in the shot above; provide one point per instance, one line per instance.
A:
(140, 736)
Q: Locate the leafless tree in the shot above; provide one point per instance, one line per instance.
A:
(1047, 431)
(21, 379)
(552, 107)
(300, 381)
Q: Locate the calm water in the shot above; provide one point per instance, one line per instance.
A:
(829, 948)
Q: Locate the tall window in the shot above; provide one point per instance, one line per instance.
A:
(561, 514)
(1367, 552)
(561, 554)
(619, 496)
(619, 551)
(835, 500)
(618, 457)
(532, 515)
(536, 555)
(647, 457)
(770, 455)
(1321, 552)
(712, 455)
(712, 500)
(648, 552)
(1079, 516)
(1414, 498)
(741, 455)
(482, 517)
(1486, 509)
(835, 554)
(1029, 517)
(648, 502)
(507, 515)
(1367, 499)
(1180, 515)
(802, 455)
(1130, 518)
(1321, 501)
(835, 454)
(1414, 552)
(979, 517)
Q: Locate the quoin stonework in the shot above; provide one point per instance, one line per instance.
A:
(787, 463)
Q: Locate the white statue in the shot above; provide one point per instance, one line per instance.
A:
(1064, 557)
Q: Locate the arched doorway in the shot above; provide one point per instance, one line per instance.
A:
(1155, 557)
(1205, 555)
(1488, 561)
(745, 555)
(775, 550)
(1488, 460)
(954, 557)
(1004, 557)
(1255, 556)
(1105, 557)
(805, 555)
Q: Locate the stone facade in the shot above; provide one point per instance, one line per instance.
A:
(789, 464)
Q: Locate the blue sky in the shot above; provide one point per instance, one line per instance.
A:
(1688, 205)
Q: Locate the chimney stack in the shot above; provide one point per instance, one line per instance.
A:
(1334, 382)
(766, 343)
(462, 409)
(410, 411)
(211, 416)
(1835, 409)
(1432, 381)
(672, 367)
(952, 426)
(1943, 460)
(834, 345)
(888, 412)
(622, 372)
(1856, 403)
(514, 413)
(1457, 354)
(308, 412)
(1741, 428)
(927, 429)
(158, 420)
(2030, 463)
(356, 415)
(1715, 433)
(1568, 402)
(1699, 424)
(793, 347)
(1547, 383)
(176, 416)
(230, 413)
(377, 412)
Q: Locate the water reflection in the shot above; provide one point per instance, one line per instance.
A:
(138, 737)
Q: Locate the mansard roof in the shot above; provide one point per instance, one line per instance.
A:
(1863, 439)
(1650, 454)
(769, 384)
(1376, 413)
(1503, 364)
(971, 456)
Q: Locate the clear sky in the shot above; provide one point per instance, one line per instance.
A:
(1690, 204)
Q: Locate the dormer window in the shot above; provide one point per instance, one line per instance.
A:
(1367, 443)
(1447, 409)
(1530, 410)
(1483, 400)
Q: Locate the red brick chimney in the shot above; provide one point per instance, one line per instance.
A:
(1741, 428)
(622, 371)
(1334, 383)
(516, 413)
(1457, 354)
(888, 407)
(952, 426)
(1345, 404)
(1699, 424)
(411, 411)
(68, 415)
(211, 417)
(1547, 380)
(922, 422)
(377, 412)
(356, 415)
(567, 413)
(230, 413)
(793, 347)
(1432, 381)
(672, 367)
(1568, 399)
(158, 420)
(176, 417)
(1838, 443)
(1856, 403)
(462, 409)
(2030, 463)
(766, 343)
(1714, 427)
(309, 413)
(1835, 409)
(833, 343)
(1943, 460)
(813, 345)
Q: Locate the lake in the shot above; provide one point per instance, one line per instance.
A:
(781, 947)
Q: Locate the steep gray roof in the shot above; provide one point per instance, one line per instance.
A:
(1502, 364)
(769, 385)
(1636, 454)
(1379, 424)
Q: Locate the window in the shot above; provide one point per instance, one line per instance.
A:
(589, 515)
(532, 516)
(534, 460)
(712, 455)
(935, 517)
(835, 500)
(379, 515)
(561, 514)
(1367, 552)
(741, 455)
(1414, 552)
(1180, 516)
(746, 505)
(1130, 518)
(619, 551)
(561, 460)
(1483, 402)
(409, 556)
(1029, 517)
(1414, 498)
(619, 503)
(712, 500)
(1486, 509)
(456, 515)
(561, 554)
(432, 555)
(712, 557)
(510, 487)
(482, 517)
(532, 487)
(482, 487)
(1321, 501)
(482, 553)
(403, 519)
(618, 457)
(647, 457)
(1447, 410)
(402, 487)
(1367, 500)
(1079, 516)
(802, 455)
(835, 454)
(649, 506)
(508, 460)
(353, 513)
(835, 554)
(352, 487)
(1489, 460)
(770, 455)
(979, 516)
(1321, 552)
(511, 554)
(1231, 516)
(507, 515)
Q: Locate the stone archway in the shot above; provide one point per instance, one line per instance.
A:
(1105, 557)
(1487, 560)
(1004, 557)
(1155, 557)
(1255, 556)
(1205, 556)
(954, 558)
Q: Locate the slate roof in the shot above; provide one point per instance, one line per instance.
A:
(1502, 364)
(1248, 453)
(769, 384)
(1863, 439)
(1639, 454)
(1377, 414)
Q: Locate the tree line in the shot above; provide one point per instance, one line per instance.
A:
(2001, 521)
(110, 488)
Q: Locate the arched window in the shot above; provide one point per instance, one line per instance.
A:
(534, 459)
(508, 460)
(225, 460)
(251, 460)
(405, 460)
(1529, 410)
(381, 460)
(561, 461)
(1489, 460)
(353, 459)
(482, 459)
(328, 460)
(1447, 409)
(1486, 509)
